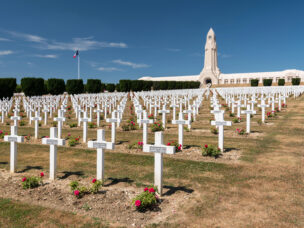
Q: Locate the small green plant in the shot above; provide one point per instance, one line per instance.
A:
(147, 200)
(80, 191)
(260, 122)
(92, 125)
(39, 124)
(54, 124)
(211, 150)
(2, 134)
(231, 114)
(240, 131)
(157, 127)
(237, 120)
(138, 145)
(32, 182)
(178, 147)
(125, 127)
(8, 123)
(186, 129)
(22, 123)
(73, 125)
(214, 130)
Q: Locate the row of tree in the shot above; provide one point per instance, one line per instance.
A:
(281, 82)
(55, 86)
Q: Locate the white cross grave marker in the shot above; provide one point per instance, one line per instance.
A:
(248, 112)
(220, 123)
(53, 141)
(158, 149)
(180, 123)
(100, 145)
(13, 139)
(37, 118)
(145, 121)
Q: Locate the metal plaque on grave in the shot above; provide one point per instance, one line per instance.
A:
(180, 122)
(158, 149)
(52, 141)
(12, 139)
(99, 145)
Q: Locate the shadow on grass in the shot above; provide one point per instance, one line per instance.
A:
(230, 149)
(189, 146)
(67, 174)
(3, 163)
(173, 190)
(119, 180)
(27, 168)
(121, 142)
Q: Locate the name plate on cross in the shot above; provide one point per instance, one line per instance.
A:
(12, 139)
(180, 121)
(52, 141)
(158, 149)
(99, 145)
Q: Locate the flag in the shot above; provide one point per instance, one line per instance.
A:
(76, 54)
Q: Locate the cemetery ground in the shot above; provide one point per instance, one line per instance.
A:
(258, 182)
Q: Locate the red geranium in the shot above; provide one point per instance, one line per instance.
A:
(151, 190)
(206, 146)
(41, 174)
(137, 203)
(94, 180)
(146, 189)
(76, 193)
(23, 179)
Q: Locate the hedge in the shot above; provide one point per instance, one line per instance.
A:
(281, 82)
(74, 86)
(7, 87)
(33, 86)
(296, 81)
(110, 87)
(267, 82)
(93, 86)
(139, 85)
(254, 82)
(55, 86)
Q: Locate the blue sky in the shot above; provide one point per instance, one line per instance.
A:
(128, 39)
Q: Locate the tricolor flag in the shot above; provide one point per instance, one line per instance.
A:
(76, 54)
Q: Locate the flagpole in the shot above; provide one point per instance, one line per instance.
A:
(78, 66)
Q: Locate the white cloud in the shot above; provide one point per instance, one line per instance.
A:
(47, 56)
(173, 49)
(81, 44)
(27, 37)
(7, 52)
(109, 69)
(133, 65)
(4, 39)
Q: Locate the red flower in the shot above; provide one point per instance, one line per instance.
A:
(23, 179)
(146, 189)
(137, 203)
(168, 144)
(41, 174)
(94, 180)
(206, 146)
(76, 193)
(151, 190)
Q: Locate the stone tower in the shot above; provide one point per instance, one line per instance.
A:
(210, 72)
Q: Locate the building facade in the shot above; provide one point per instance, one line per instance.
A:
(211, 73)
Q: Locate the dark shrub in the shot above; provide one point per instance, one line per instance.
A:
(33, 86)
(93, 86)
(74, 86)
(267, 82)
(296, 81)
(55, 86)
(254, 82)
(7, 87)
(281, 82)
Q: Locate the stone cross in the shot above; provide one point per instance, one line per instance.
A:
(45, 110)
(239, 105)
(158, 149)
(145, 121)
(15, 118)
(113, 120)
(263, 105)
(85, 121)
(220, 123)
(37, 118)
(13, 139)
(53, 141)
(60, 119)
(174, 106)
(180, 123)
(248, 112)
(100, 145)
(163, 112)
(189, 111)
(98, 111)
